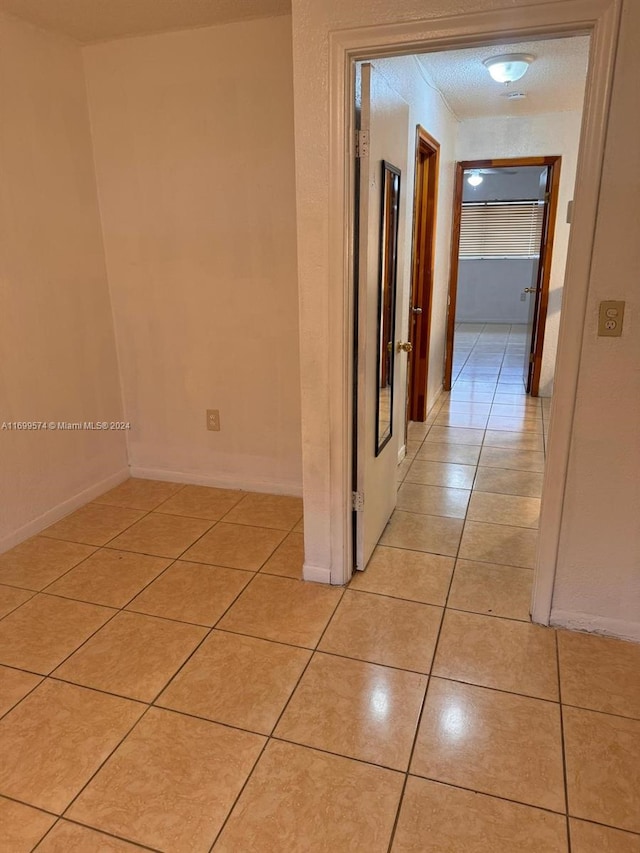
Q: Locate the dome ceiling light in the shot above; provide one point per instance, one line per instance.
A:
(508, 67)
(475, 179)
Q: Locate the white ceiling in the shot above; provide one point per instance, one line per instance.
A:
(554, 82)
(99, 20)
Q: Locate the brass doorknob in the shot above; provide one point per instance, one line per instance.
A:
(405, 347)
(530, 290)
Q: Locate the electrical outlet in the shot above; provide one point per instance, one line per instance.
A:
(610, 319)
(213, 420)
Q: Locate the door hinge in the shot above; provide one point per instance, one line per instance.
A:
(357, 501)
(362, 143)
(532, 358)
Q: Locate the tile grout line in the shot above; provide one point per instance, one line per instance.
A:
(157, 509)
(28, 693)
(149, 705)
(562, 744)
(366, 762)
(342, 656)
(270, 737)
(446, 607)
(60, 820)
(426, 691)
(52, 677)
(45, 590)
(23, 589)
(210, 630)
(435, 650)
(471, 559)
(121, 609)
(108, 757)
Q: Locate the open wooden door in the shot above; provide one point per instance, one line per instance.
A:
(539, 289)
(425, 206)
(379, 400)
(538, 292)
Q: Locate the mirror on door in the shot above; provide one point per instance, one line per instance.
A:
(387, 302)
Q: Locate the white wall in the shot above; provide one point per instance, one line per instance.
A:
(598, 580)
(193, 136)
(489, 290)
(599, 565)
(528, 136)
(407, 77)
(57, 352)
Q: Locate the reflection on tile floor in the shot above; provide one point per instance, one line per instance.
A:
(168, 683)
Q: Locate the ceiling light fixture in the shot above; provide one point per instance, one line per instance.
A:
(508, 67)
(475, 179)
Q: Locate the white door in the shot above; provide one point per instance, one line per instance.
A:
(380, 398)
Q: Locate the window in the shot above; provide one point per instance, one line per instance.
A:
(501, 229)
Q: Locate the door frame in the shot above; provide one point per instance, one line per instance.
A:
(326, 340)
(553, 162)
(425, 211)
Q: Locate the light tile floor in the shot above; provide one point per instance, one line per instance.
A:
(168, 683)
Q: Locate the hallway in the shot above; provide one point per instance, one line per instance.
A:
(168, 681)
(476, 469)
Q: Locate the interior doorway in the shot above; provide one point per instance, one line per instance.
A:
(425, 207)
(501, 252)
(436, 487)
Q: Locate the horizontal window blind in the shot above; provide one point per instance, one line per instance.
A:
(502, 229)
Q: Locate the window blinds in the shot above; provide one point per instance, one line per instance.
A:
(501, 229)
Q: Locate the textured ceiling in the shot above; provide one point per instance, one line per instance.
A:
(554, 82)
(98, 20)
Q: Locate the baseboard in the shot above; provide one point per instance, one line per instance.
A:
(620, 628)
(402, 453)
(435, 400)
(221, 481)
(60, 510)
(316, 574)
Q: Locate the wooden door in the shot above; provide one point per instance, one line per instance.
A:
(536, 341)
(425, 206)
(539, 291)
(383, 129)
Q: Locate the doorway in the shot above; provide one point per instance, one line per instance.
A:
(427, 170)
(389, 99)
(549, 172)
(325, 216)
(501, 253)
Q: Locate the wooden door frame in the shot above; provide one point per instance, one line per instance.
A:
(544, 278)
(546, 256)
(425, 209)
